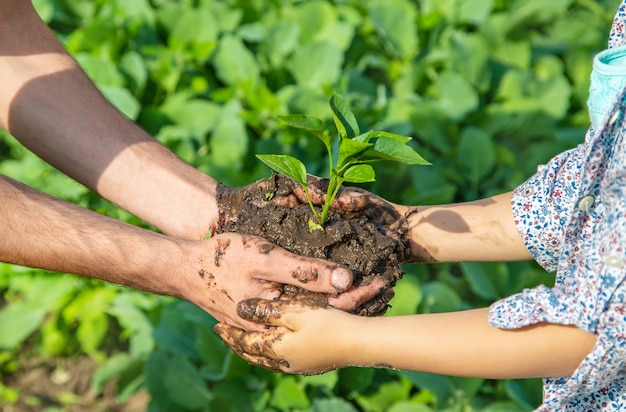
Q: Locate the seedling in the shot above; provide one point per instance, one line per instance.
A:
(356, 150)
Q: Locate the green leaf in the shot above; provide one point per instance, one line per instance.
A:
(387, 394)
(346, 123)
(45, 9)
(91, 331)
(456, 95)
(356, 380)
(134, 67)
(327, 380)
(235, 64)
(527, 392)
(488, 280)
(214, 353)
(289, 395)
(475, 11)
(441, 386)
(332, 404)
(198, 114)
(313, 225)
(476, 154)
(309, 124)
(111, 369)
(505, 407)
(184, 384)
(439, 297)
(281, 40)
(387, 148)
(196, 31)
(312, 17)
(363, 137)
(17, 322)
(135, 323)
(286, 165)
(407, 298)
(398, 137)
(359, 174)
(349, 148)
(407, 406)
(395, 22)
(229, 141)
(317, 65)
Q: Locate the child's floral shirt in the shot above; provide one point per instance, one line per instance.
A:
(572, 217)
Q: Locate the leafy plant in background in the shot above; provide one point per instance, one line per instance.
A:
(355, 150)
(489, 88)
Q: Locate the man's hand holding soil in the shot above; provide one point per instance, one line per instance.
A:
(50, 105)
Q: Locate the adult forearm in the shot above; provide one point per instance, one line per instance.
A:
(50, 105)
(482, 230)
(37, 230)
(463, 344)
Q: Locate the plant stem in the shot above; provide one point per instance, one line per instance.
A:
(308, 197)
(333, 189)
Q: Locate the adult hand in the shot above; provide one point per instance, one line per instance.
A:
(254, 209)
(299, 341)
(232, 267)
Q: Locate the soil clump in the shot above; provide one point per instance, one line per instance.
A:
(354, 239)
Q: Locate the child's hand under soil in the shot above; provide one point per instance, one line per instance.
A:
(297, 340)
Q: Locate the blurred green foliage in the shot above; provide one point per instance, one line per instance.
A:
(489, 89)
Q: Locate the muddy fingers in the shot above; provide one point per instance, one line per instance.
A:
(260, 311)
(253, 347)
(363, 245)
(271, 312)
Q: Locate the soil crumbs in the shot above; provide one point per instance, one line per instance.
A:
(350, 239)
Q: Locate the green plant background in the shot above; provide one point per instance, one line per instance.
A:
(489, 89)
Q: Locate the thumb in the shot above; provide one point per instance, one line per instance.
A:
(315, 275)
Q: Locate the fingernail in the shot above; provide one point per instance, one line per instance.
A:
(341, 279)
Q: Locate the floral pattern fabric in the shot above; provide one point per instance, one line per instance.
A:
(572, 217)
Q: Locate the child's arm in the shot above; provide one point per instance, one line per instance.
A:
(481, 230)
(312, 337)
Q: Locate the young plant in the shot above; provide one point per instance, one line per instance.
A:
(355, 151)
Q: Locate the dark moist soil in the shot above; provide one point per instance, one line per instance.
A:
(350, 239)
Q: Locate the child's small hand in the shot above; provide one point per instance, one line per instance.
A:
(307, 336)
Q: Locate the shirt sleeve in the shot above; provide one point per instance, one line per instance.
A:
(543, 205)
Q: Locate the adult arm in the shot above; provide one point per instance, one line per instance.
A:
(40, 231)
(311, 338)
(50, 105)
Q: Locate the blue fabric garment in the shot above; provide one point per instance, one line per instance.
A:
(608, 78)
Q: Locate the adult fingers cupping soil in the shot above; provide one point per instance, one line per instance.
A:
(275, 264)
(357, 241)
(358, 296)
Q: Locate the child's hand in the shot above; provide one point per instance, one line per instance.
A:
(308, 335)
